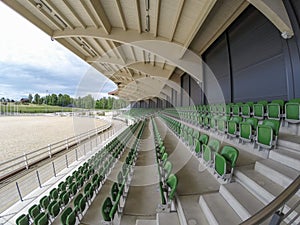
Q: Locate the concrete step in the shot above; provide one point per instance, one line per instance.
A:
(167, 218)
(277, 172)
(289, 144)
(286, 157)
(146, 222)
(191, 212)
(241, 200)
(217, 210)
(262, 187)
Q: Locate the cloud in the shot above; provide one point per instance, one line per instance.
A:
(31, 63)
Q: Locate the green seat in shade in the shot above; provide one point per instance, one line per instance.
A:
(22, 220)
(62, 186)
(73, 189)
(106, 208)
(42, 219)
(233, 126)
(196, 134)
(64, 216)
(236, 109)
(225, 162)
(207, 155)
(64, 198)
(203, 139)
(214, 145)
(162, 196)
(34, 211)
(207, 119)
(214, 122)
(79, 204)
(267, 133)
(114, 191)
(54, 194)
(228, 109)
(246, 109)
(69, 180)
(44, 202)
(172, 183)
(247, 129)
(275, 109)
(53, 209)
(259, 109)
(167, 169)
(292, 111)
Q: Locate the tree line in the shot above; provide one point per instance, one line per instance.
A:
(86, 102)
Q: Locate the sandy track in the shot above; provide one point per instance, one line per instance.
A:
(26, 133)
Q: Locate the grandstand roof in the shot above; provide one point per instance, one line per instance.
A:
(123, 38)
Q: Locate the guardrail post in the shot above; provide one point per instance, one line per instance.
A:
(76, 154)
(38, 178)
(49, 151)
(26, 161)
(67, 144)
(19, 192)
(91, 143)
(67, 163)
(84, 149)
(54, 172)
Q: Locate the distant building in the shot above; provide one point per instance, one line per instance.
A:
(24, 100)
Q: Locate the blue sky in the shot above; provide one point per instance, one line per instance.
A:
(31, 63)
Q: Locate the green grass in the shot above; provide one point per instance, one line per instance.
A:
(32, 108)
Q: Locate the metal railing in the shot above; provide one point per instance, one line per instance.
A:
(26, 160)
(19, 190)
(275, 208)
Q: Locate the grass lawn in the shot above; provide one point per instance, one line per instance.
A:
(32, 108)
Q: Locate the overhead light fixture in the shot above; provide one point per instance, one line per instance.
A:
(147, 4)
(147, 23)
(39, 5)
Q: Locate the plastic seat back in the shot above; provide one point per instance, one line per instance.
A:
(274, 124)
(220, 164)
(106, 207)
(203, 139)
(206, 153)
(54, 194)
(245, 131)
(53, 209)
(44, 202)
(259, 109)
(264, 135)
(230, 154)
(22, 220)
(214, 145)
(172, 182)
(292, 110)
(168, 169)
(34, 211)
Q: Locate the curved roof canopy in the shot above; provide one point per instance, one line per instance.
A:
(127, 40)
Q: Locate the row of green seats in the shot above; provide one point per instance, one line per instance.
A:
(276, 109)
(168, 182)
(58, 198)
(223, 160)
(111, 205)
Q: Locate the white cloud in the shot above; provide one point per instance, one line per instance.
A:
(29, 56)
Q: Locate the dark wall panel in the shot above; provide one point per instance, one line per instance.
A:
(185, 85)
(258, 67)
(195, 92)
(217, 60)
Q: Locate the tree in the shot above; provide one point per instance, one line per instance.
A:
(36, 99)
(30, 98)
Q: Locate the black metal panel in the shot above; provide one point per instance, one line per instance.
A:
(217, 60)
(258, 66)
(195, 92)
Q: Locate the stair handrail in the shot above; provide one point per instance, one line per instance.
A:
(274, 205)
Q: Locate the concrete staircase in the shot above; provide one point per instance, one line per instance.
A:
(161, 219)
(256, 186)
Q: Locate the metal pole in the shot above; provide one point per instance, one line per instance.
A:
(67, 163)
(76, 154)
(67, 144)
(38, 177)
(25, 160)
(54, 172)
(18, 189)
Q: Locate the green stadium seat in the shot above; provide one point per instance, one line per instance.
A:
(23, 220)
(65, 215)
(259, 109)
(246, 109)
(106, 208)
(275, 109)
(41, 219)
(34, 211)
(114, 191)
(207, 155)
(236, 109)
(172, 183)
(73, 189)
(64, 198)
(214, 144)
(79, 204)
(247, 129)
(292, 111)
(62, 186)
(222, 124)
(267, 134)
(54, 194)
(203, 140)
(233, 126)
(44, 202)
(167, 169)
(53, 209)
(225, 162)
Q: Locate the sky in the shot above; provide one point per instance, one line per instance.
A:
(31, 63)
